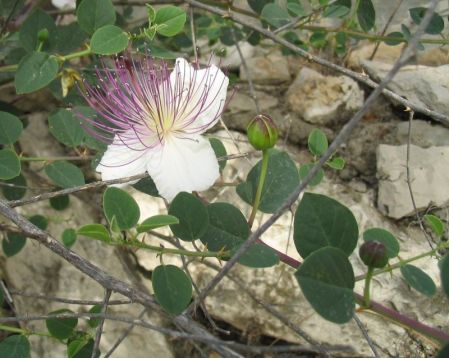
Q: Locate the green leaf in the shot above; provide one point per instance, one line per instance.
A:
(192, 215)
(93, 14)
(13, 244)
(38, 20)
(436, 24)
(94, 322)
(444, 352)
(119, 204)
(68, 38)
(172, 288)
(65, 174)
(386, 238)
(15, 192)
(321, 221)
(295, 8)
(337, 163)
(304, 171)
(157, 221)
(15, 346)
(419, 280)
(66, 128)
(170, 20)
(61, 328)
(394, 38)
(86, 350)
(219, 150)
(68, 237)
(258, 5)
(317, 142)
(147, 186)
(10, 128)
(36, 70)
(60, 202)
(435, 224)
(9, 164)
(95, 231)
(109, 40)
(281, 180)
(40, 221)
(227, 227)
(327, 280)
(444, 267)
(258, 256)
(339, 9)
(366, 15)
(275, 15)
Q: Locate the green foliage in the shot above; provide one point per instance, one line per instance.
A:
(61, 328)
(9, 164)
(95, 231)
(339, 9)
(444, 268)
(317, 142)
(81, 347)
(68, 38)
(327, 280)
(258, 5)
(93, 14)
(94, 322)
(16, 346)
(69, 237)
(337, 163)
(169, 20)
(36, 70)
(120, 205)
(28, 35)
(386, 238)
(366, 15)
(304, 171)
(219, 150)
(65, 174)
(60, 202)
(66, 128)
(157, 221)
(275, 15)
(419, 280)
(17, 191)
(13, 243)
(320, 222)
(258, 256)
(436, 25)
(147, 186)
(40, 221)
(10, 128)
(282, 178)
(109, 40)
(435, 224)
(192, 215)
(172, 288)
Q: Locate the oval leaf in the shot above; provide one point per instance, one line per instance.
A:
(436, 24)
(317, 142)
(93, 14)
(157, 221)
(13, 243)
(172, 288)
(258, 256)
(65, 174)
(16, 346)
(60, 202)
(192, 215)
(386, 238)
(95, 231)
(18, 189)
(68, 237)
(170, 20)
(419, 280)
(36, 21)
(119, 204)
(9, 164)
(321, 221)
(109, 40)
(281, 180)
(435, 224)
(10, 128)
(35, 71)
(366, 15)
(219, 150)
(304, 171)
(66, 128)
(61, 328)
(275, 15)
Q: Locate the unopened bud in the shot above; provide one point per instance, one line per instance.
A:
(42, 35)
(262, 132)
(373, 254)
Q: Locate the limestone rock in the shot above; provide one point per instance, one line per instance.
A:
(272, 68)
(423, 85)
(423, 134)
(322, 99)
(428, 176)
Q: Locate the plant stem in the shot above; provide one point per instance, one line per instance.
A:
(73, 55)
(366, 291)
(9, 68)
(263, 174)
(22, 331)
(48, 159)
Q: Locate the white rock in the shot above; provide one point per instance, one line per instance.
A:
(272, 68)
(423, 134)
(429, 177)
(423, 85)
(322, 99)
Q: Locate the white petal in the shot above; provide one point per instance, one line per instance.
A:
(195, 83)
(121, 161)
(183, 165)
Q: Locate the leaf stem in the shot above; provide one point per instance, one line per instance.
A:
(73, 55)
(263, 174)
(22, 331)
(366, 290)
(49, 159)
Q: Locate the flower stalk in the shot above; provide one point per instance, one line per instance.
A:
(263, 174)
(366, 290)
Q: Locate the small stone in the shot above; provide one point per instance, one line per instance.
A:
(267, 69)
(429, 175)
(423, 134)
(324, 100)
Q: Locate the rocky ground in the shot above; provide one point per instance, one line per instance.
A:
(299, 97)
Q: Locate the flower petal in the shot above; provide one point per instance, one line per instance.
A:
(183, 165)
(202, 91)
(121, 160)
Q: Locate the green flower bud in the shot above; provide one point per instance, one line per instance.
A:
(262, 132)
(373, 254)
(42, 35)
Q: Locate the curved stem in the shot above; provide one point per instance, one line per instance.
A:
(263, 174)
(366, 290)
